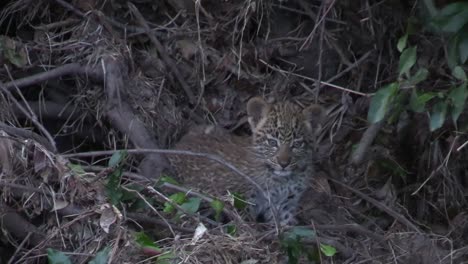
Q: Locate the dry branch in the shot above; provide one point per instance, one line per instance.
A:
(123, 119)
(163, 53)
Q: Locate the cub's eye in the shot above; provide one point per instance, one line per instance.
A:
(272, 142)
(298, 144)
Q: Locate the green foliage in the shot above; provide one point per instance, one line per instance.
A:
(459, 73)
(239, 201)
(177, 198)
(76, 168)
(168, 179)
(450, 21)
(113, 189)
(407, 61)
(192, 205)
(327, 250)
(418, 102)
(57, 257)
(457, 97)
(438, 113)
(150, 248)
(101, 257)
(381, 101)
(117, 158)
(218, 206)
(291, 242)
(231, 229)
(189, 205)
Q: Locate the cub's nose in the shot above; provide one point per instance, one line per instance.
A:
(284, 157)
(284, 162)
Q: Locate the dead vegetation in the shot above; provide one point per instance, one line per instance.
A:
(82, 79)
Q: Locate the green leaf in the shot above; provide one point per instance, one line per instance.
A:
(57, 257)
(144, 240)
(439, 111)
(463, 46)
(452, 51)
(300, 232)
(407, 60)
(169, 180)
(231, 229)
(239, 201)
(192, 205)
(327, 250)
(147, 244)
(458, 97)
(218, 206)
(101, 257)
(452, 17)
(418, 102)
(420, 76)
(380, 102)
(76, 168)
(177, 198)
(401, 45)
(459, 73)
(113, 189)
(166, 258)
(117, 158)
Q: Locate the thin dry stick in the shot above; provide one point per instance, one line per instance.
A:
(162, 52)
(170, 152)
(379, 205)
(19, 247)
(115, 247)
(350, 67)
(168, 185)
(67, 69)
(315, 80)
(152, 208)
(157, 193)
(442, 165)
(31, 116)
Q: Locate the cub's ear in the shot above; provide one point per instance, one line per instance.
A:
(314, 115)
(257, 110)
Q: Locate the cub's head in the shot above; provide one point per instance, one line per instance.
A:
(282, 133)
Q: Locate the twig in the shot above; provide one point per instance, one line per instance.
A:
(440, 167)
(163, 53)
(123, 118)
(350, 67)
(167, 185)
(145, 219)
(31, 116)
(79, 13)
(315, 80)
(170, 152)
(27, 134)
(153, 191)
(67, 69)
(24, 188)
(199, 195)
(352, 228)
(19, 247)
(379, 205)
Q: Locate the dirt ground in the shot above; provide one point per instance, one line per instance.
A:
(82, 80)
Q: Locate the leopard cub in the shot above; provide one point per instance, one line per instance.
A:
(278, 157)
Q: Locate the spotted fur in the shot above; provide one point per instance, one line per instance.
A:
(278, 157)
